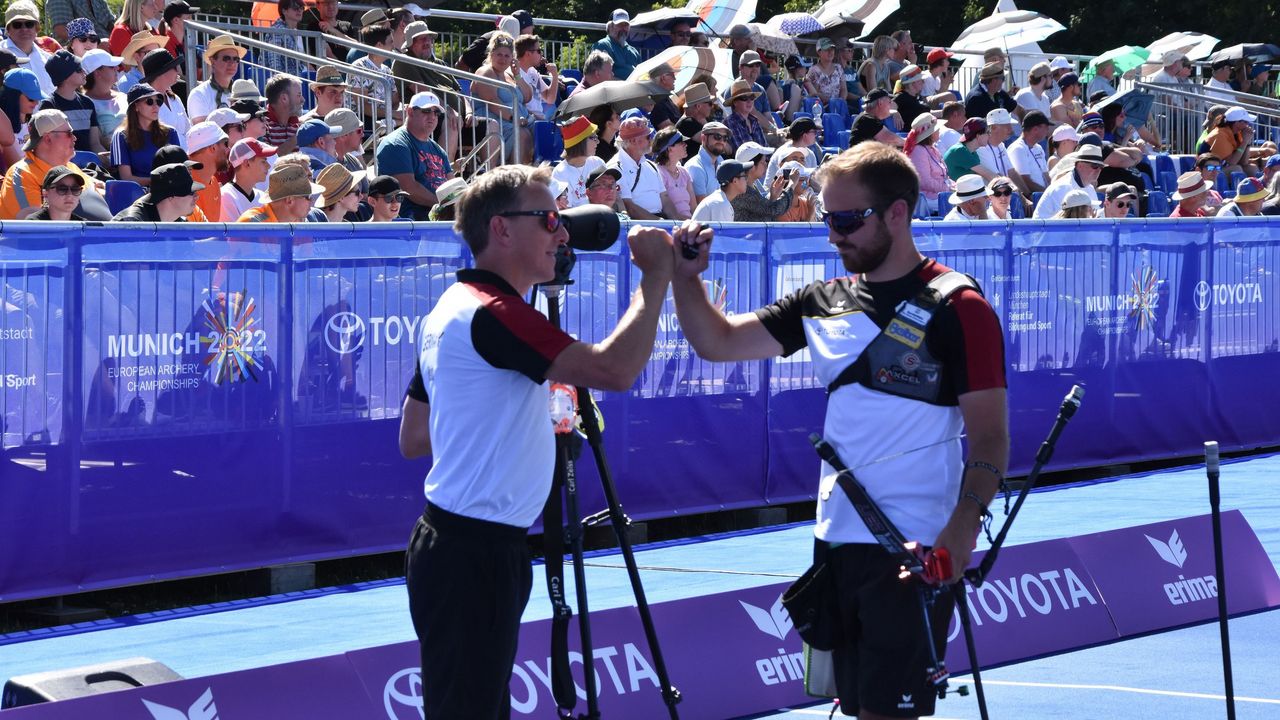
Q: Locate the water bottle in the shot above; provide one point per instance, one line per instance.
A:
(564, 407)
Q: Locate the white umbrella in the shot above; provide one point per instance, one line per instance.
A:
(772, 40)
(868, 12)
(1196, 46)
(649, 23)
(720, 15)
(1003, 29)
(688, 62)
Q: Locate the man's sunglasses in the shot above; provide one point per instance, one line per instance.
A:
(23, 25)
(1126, 204)
(715, 136)
(847, 222)
(550, 218)
(1212, 168)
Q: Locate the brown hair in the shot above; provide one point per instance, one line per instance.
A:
(493, 193)
(526, 44)
(135, 136)
(883, 171)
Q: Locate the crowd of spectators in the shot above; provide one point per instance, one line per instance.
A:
(103, 98)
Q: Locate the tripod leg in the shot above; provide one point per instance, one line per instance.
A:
(962, 604)
(591, 426)
(573, 533)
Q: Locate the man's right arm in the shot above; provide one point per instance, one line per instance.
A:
(714, 336)
(615, 363)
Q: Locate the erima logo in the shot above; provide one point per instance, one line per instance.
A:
(774, 622)
(1171, 552)
(202, 709)
(906, 703)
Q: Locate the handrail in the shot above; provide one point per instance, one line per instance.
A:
(392, 55)
(1270, 106)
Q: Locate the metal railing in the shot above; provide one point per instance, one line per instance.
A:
(1179, 112)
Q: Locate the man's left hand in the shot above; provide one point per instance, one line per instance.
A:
(958, 538)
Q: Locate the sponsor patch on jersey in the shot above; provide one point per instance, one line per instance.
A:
(914, 313)
(904, 333)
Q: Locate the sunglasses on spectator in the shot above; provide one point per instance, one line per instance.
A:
(23, 25)
(152, 100)
(1002, 192)
(56, 132)
(233, 58)
(602, 185)
(1125, 204)
(847, 222)
(550, 218)
(67, 189)
(1212, 168)
(87, 38)
(391, 199)
(716, 136)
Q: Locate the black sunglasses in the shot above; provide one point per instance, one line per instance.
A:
(847, 222)
(1006, 192)
(24, 24)
(550, 218)
(1124, 204)
(74, 190)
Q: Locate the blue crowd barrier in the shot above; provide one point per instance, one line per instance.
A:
(188, 399)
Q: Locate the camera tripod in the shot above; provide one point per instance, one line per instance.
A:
(568, 448)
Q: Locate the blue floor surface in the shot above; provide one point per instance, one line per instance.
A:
(1171, 675)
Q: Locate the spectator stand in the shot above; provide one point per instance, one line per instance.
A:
(1180, 112)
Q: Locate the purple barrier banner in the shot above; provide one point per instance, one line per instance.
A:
(736, 653)
(319, 688)
(232, 400)
(1161, 575)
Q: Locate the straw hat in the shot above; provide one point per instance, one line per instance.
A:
(140, 39)
(1190, 184)
(969, 187)
(290, 181)
(337, 182)
(742, 90)
(220, 43)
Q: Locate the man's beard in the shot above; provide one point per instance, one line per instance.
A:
(867, 259)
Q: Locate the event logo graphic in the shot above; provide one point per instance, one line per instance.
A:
(202, 709)
(774, 622)
(1144, 297)
(402, 695)
(344, 333)
(1171, 552)
(231, 342)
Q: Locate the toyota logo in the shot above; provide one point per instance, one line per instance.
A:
(344, 333)
(402, 695)
(1202, 295)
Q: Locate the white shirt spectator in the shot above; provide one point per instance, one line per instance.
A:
(775, 163)
(1028, 100)
(235, 204)
(537, 106)
(958, 214)
(1226, 96)
(174, 114)
(204, 99)
(946, 139)
(576, 178)
(1051, 201)
(995, 158)
(37, 58)
(715, 207)
(644, 189)
(932, 85)
(1030, 161)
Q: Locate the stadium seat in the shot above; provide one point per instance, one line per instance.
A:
(1185, 163)
(572, 73)
(813, 106)
(1035, 199)
(1157, 202)
(843, 139)
(944, 203)
(122, 193)
(777, 120)
(799, 115)
(838, 106)
(1164, 164)
(1168, 182)
(890, 125)
(1235, 179)
(922, 208)
(1016, 211)
(548, 143)
(1220, 184)
(832, 126)
(83, 157)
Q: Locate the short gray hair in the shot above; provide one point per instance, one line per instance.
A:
(595, 61)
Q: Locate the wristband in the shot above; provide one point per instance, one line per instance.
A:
(985, 466)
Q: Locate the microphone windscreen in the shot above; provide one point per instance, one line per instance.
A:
(591, 227)
(1211, 457)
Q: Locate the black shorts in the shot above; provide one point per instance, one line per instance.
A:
(468, 581)
(884, 663)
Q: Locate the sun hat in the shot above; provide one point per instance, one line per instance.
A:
(449, 191)
(577, 129)
(286, 181)
(1249, 189)
(1190, 184)
(969, 187)
(1077, 198)
(337, 182)
(220, 43)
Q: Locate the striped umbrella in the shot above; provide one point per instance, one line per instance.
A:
(689, 62)
(868, 12)
(720, 15)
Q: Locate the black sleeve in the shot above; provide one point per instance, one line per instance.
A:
(866, 127)
(417, 388)
(512, 335)
(784, 320)
(475, 53)
(966, 336)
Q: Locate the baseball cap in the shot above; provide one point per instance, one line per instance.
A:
(314, 129)
(739, 31)
(524, 17)
(1068, 80)
(61, 65)
(715, 126)
(385, 185)
(98, 58)
(620, 16)
(204, 134)
(749, 57)
(171, 154)
(1035, 118)
(224, 116)
(9, 60)
(174, 180)
(1117, 190)
(634, 127)
(973, 127)
(247, 149)
(795, 61)
(937, 55)
(177, 8)
(1065, 132)
(874, 95)
(1237, 113)
(731, 169)
(59, 172)
(1273, 161)
(425, 101)
(601, 171)
(826, 43)
(24, 81)
(750, 150)
(345, 119)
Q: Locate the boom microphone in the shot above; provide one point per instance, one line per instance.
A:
(591, 227)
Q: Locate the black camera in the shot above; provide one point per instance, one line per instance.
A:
(590, 227)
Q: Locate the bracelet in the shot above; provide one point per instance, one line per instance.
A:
(985, 466)
(982, 507)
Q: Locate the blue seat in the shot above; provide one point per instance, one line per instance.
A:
(122, 193)
(573, 73)
(777, 120)
(1235, 179)
(1164, 164)
(1168, 181)
(548, 143)
(1157, 202)
(843, 138)
(1220, 184)
(838, 106)
(1185, 163)
(1035, 199)
(1157, 215)
(832, 126)
(1016, 211)
(890, 125)
(944, 203)
(83, 157)
(799, 115)
(813, 105)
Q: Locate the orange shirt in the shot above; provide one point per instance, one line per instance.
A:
(210, 199)
(263, 213)
(22, 184)
(1223, 142)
